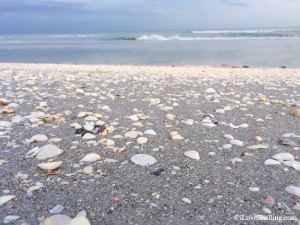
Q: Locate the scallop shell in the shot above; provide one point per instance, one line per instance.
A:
(6, 198)
(48, 151)
(192, 154)
(50, 165)
(56, 220)
(91, 157)
(293, 190)
(284, 156)
(33, 152)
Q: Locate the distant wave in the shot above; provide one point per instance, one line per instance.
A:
(233, 31)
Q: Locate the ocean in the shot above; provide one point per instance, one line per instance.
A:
(263, 47)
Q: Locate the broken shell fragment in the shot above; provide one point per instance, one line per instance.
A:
(6, 198)
(50, 165)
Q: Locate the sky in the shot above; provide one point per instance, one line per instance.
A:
(92, 16)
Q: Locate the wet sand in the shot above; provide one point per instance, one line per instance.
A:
(206, 106)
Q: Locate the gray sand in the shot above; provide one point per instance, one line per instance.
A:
(125, 193)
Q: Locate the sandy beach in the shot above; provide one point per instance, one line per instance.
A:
(149, 145)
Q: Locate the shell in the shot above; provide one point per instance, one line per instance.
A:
(88, 136)
(290, 163)
(38, 138)
(107, 142)
(89, 126)
(91, 157)
(284, 156)
(91, 118)
(170, 116)
(254, 189)
(5, 124)
(79, 221)
(293, 190)
(50, 165)
(6, 198)
(141, 140)
(228, 136)
(56, 220)
(271, 162)
(253, 147)
(33, 152)
(57, 209)
(150, 132)
(88, 170)
(131, 134)
(287, 142)
(296, 166)
(133, 117)
(236, 142)
(192, 154)
(48, 151)
(10, 218)
(143, 159)
(81, 114)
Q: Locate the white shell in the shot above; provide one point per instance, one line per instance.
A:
(227, 146)
(236, 142)
(81, 114)
(48, 151)
(56, 220)
(143, 159)
(5, 124)
(293, 190)
(50, 165)
(150, 132)
(10, 218)
(82, 213)
(189, 122)
(88, 170)
(254, 189)
(88, 136)
(271, 162)
(186, 200)
(283, 157)
(297, 206)
(6, 198)
(33, 152)
(141, 140)
(57, 209)
(89, 126)
(228, 136)
(133, 117)
(253, 147)
(290, 163)
(131, 134)
(79, 221)
(91, 118)
(266, 210)
(91, 157)
(192, 154)
(76, 125)
(107, 142)
(296, 166)
(210, 90)
(38, 138)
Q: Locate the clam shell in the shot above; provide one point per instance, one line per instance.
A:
(33, 152)
(38, 138)
(56, 220)
(50, 165)
(284, 156)
(271, 162)
(141, 140)
(91, 157)
(290, 163)
(6, 198)
(293, 190)
(192, 154)
(48, 151)
(143, 159)
(88, 136)
(150, 132)
(79, 221)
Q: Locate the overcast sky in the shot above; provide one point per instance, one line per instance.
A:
(62, 16)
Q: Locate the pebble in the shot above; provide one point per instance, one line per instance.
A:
(257, 138)
(143, 159)
(192, 154)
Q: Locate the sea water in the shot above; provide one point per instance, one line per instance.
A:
(263, 47)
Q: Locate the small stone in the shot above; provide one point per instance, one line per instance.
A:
(158, 172)
(269, 200)
(192, 154)
(257, 138)
(143, 160)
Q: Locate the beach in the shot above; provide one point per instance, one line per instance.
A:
(172, 145)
